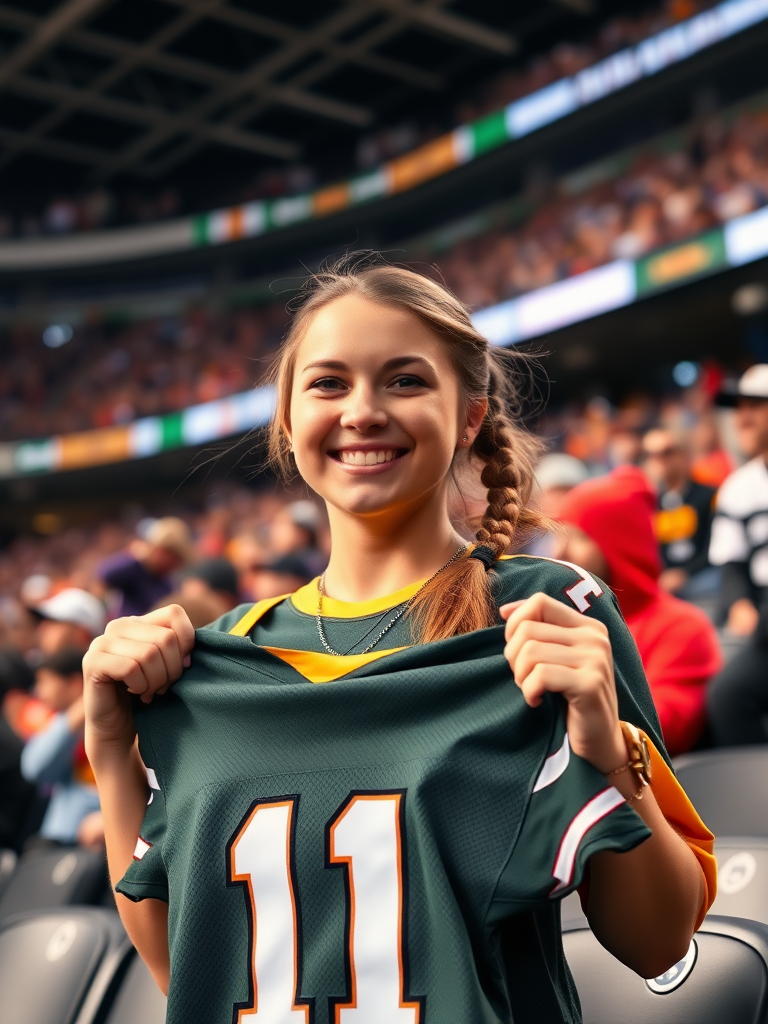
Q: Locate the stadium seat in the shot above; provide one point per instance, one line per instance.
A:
(742, 882)
(138, 998)
(8, 861)
(58, 966)
(54, 878)
(722, 980)
(728, 788)
(571, 914)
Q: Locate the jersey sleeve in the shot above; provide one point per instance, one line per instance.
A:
(146, 877)
(572, 813)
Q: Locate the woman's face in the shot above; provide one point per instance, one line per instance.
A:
(376, 412)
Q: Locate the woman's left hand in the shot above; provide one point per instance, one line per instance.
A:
(551, 647)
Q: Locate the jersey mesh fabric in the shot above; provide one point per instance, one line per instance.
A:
(442, 724)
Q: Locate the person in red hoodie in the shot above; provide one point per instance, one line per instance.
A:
(609, 532)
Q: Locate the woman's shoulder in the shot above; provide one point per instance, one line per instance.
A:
(521, 576)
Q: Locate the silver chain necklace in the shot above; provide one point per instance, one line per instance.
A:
(321, 594)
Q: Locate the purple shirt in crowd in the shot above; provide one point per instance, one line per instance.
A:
(139, 589)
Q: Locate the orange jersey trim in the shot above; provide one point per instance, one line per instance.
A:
(684, 819)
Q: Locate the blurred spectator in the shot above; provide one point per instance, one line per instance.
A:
(71, 618)
(684, 516)
(738, 698)
(23, 712)
(212, 578)
(294, 527)
(16, 794)
(556, 475)
(711, 462)
(609, 531)
(142, 574)
(54, 759)
(201, 609)
(281, 575)
(294, 530)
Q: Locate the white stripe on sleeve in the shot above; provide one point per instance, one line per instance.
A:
(142, 847)
(554, 766)
(592, 812)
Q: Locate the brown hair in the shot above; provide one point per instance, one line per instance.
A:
(460, 598)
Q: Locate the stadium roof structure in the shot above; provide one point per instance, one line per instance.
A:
(142, 87)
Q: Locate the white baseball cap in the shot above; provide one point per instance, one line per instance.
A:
(560, 470)
(752, 384)
(77, 607)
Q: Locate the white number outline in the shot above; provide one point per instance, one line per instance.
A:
(247, 1010)
(241, 1011)
(406, 1000)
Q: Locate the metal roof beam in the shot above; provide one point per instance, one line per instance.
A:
(260, 103)
(48, 32)
(53, 147)
(258, 79)
(452, 25)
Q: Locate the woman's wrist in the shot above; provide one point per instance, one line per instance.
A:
(104, 752)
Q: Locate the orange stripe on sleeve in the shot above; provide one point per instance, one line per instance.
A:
(684, 819)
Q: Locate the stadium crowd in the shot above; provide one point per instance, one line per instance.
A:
(101, 207)
(691, 555)
(103, 376)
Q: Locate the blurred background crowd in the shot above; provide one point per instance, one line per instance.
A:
(623, 208)
(100, 206)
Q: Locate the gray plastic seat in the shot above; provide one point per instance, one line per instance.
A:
(722, 980)
(58, 966)
(728, 788)
(742, 878)
(54, 878)
(571, 914)
(138, 998)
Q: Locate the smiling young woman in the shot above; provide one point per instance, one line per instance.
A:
(391, 846)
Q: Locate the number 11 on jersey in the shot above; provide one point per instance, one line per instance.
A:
(364, 838)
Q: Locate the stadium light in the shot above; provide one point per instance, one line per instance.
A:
(56, 335)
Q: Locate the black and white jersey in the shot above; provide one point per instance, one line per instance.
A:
(740, 526)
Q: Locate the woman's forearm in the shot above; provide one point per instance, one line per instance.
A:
(122, 784)
(643, 905)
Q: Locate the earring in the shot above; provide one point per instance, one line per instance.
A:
(465, 439)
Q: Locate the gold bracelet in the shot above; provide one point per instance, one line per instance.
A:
(634, 765)
(640, 793)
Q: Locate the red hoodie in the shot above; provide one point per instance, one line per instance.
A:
(677, 642)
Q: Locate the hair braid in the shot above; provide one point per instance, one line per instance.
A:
(501, 477)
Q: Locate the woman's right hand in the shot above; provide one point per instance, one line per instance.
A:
(140, 655)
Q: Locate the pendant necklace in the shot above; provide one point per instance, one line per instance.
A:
(321, 594)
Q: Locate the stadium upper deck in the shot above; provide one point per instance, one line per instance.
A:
(640, 48)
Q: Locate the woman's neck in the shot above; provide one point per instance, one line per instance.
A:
(370, 559)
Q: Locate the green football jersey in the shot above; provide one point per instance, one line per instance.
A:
(387, 847)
